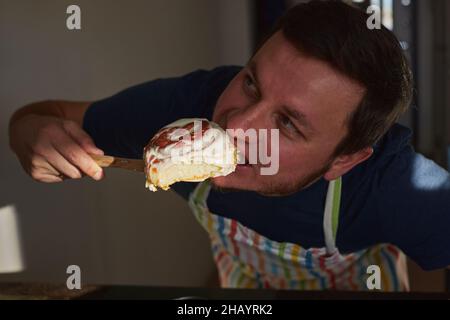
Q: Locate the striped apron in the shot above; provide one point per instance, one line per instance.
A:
(246, 259)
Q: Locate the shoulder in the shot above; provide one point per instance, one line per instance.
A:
(217, 78)
(191, 95)
(407, 197)
(198, 80)
(385, 198)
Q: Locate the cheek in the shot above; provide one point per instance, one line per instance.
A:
(291, 162)
(301, 161)
(297, 160)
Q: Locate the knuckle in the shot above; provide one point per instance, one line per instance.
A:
(87, 167)
(86, 141)
(69, 124)
(47, 132)
(73, 156)
(80, 161)
(42, 134)
(92, 169)
(35, 173)
(38, 148)
(73, 175)
(35, 160)
(49, 129)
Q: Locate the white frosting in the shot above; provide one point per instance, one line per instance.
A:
(189, 142)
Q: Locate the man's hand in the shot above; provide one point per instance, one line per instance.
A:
(51, 148)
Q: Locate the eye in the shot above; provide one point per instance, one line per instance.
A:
(287, 124)
(250, 86)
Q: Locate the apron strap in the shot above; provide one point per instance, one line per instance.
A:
(331, 214)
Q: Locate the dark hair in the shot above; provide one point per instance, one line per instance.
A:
(337, 33)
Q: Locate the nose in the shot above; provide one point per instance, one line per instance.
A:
(254, 116)
(243, 125)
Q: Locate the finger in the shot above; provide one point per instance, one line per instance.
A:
(83, 139)
(57, 163)
(48, 178)
(39, 169)
(47, 168)
(73, 153)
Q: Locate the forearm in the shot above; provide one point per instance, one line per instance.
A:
(63, 110)
(43, 108)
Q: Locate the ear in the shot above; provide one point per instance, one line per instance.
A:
(343, 164)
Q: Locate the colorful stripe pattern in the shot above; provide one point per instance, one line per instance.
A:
(246, 259)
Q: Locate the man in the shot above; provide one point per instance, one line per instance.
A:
(350, 192)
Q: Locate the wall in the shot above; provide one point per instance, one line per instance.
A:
(117, 231)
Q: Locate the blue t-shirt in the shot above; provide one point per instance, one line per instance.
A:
(397, 196)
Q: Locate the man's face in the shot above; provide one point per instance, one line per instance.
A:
(303, 97)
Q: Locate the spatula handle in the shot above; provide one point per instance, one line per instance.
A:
(122, 163)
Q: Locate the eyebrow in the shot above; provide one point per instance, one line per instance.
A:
(298, 116)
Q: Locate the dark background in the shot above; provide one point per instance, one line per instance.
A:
(118, 232)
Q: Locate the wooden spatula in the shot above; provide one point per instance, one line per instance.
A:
(115, 162)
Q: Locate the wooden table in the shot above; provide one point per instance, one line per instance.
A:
(55, 291)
